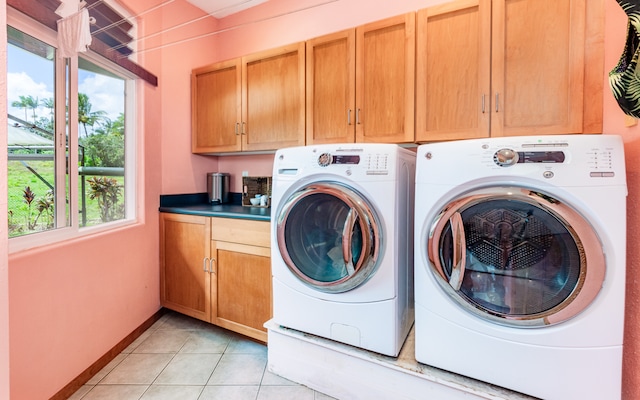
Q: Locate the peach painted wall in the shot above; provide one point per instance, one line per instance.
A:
(69, 303)
(4, 262)
(182, 172)
(614, 123)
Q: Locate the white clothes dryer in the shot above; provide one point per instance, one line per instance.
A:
(520, 262)
(342, 243)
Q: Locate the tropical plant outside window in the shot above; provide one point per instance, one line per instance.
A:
(101, 143)
(45, 190)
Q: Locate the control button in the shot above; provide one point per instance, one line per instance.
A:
(505, 157)
(377, 172)
(547, 174)
(609, 174)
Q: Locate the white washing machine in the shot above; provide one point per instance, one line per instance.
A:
(520, 262)
(342, 243)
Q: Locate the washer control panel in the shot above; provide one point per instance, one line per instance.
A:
(372, 163)
(326, 159)
(507, 157)
(561, 160)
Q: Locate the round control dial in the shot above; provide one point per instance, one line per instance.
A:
(505, 157)
(324, 159)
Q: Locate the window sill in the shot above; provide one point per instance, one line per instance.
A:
(64, 236)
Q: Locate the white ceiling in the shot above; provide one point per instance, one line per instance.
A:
(222, 8)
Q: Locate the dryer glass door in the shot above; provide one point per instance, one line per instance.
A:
(329, 237)
(516, 256)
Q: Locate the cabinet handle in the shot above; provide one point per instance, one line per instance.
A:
(349, 117)
(358, 116)
(497, 99)
(483, 103)
(206, 261)
(243, 125)
(237, 128)
(211, 262)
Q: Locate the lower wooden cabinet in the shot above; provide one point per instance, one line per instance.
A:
(241, 276)
(217, 270)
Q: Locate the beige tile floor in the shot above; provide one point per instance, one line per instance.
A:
(183, 358)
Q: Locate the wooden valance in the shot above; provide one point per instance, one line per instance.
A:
(111, 37)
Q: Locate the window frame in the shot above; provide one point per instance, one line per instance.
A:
(133, 126)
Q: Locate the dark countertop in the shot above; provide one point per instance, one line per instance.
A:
(198, 204)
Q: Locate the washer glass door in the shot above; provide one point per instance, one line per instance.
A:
(329, 237)
(516, 256)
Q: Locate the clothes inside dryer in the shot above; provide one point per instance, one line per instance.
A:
(314, 238)
(328, 237)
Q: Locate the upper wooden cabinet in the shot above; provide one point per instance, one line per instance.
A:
(385, 80)
(273, 95)
(453, 75)
(361, 84)
(504, 68)
(252, 103)
(459, 70)
(216, 99)
(331, 88)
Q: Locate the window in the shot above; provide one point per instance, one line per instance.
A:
(71, 144)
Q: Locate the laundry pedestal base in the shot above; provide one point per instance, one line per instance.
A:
(347, 372)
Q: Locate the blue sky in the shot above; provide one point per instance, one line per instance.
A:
(30, 74)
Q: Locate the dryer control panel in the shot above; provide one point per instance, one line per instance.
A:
(507, 157)
(561, 160)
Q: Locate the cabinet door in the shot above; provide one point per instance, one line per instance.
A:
(453, 71)
(242, 291)
(537, 66)
(184, 263)
(385, 80)
(273, 97)
(216, 106)
(331, 88)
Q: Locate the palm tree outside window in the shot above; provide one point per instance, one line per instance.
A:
(70, 146)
